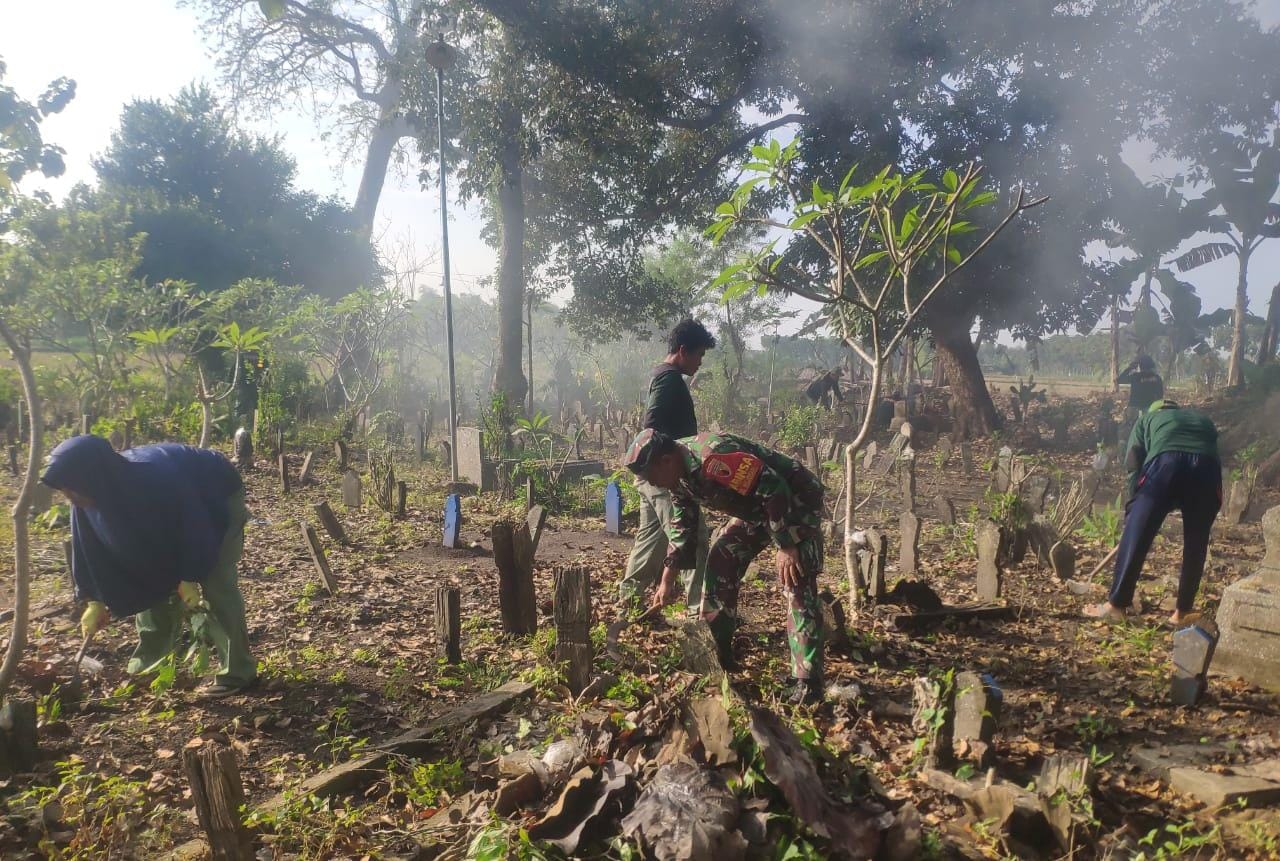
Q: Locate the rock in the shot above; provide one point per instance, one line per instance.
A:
(978, 705)
(1214, 790)
(1192, 652)
(1062, 557)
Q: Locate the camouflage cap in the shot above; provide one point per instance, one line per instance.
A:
(642, 447)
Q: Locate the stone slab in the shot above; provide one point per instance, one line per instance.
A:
(1157, 760)
(1249, 617)
(473, 466)
(1215, 790)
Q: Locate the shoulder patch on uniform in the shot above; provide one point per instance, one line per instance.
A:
(736, 470)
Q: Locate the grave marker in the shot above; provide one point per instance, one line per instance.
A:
(934, 702)
(1238, 499)
(421, 442)
(341, 454)
(536, 519)
(330, 522)
(945, 448)
(978, 705)
(811, 459)
(1062, 558)
(1037, 488)
(351, 496)
(945, 510)
(13, 459)
(869, 458)
(449, 622)
(116, 439)
(308, 460)
(1004, 469)
(402, 498)
(873, 563)
(1192, 653)
(318, 558)
(41, 498)
(613, 508)
(218, 796)
(472, 464)
(130, 428)
(1249, 616)
(907, 479)
(909, 548)
(513, 554)
(828, 448)
(452, 521)
(571, 608)
(282, 469)
(966, 457)
(989, 538)
(244, 448)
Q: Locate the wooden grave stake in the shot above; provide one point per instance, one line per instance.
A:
(13, 459)
(402, 498)
(86, 423)
(452, 521)
(513, 554)
(330, 522)
(304, 477)
(130, 427)
(536, 520)
(318, 558)
(282, 466)
(218, 794)
(990, 536)
(449, 622)
(572, 610)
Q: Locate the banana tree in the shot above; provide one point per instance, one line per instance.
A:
(1245, 176)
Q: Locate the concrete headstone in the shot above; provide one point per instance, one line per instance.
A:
(351, 489)
(966, 457)
(613, 508)
(978, 705)
(872, 560)
(244, 447)
(1004, 469)
(945, 448)
(1238, 499)
(472, 464)
(1249, 617)
(989, 575)
(909, 535)
(1037, 491)
(41, 498)
(1062, 558)
(945, 510)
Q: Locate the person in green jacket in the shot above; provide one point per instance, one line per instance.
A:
(669, 411)
(1173, 464)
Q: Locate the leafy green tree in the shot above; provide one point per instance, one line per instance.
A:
(218, 205)
(1244, 208)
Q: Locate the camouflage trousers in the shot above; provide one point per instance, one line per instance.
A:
(731, 553)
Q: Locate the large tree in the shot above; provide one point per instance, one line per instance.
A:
(218, 204)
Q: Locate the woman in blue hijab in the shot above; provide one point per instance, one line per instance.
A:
(142, 523)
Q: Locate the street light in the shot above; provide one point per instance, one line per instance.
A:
(442, 56)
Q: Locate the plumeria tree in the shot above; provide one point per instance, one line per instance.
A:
(890, 243)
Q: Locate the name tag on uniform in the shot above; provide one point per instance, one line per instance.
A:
(737, 470)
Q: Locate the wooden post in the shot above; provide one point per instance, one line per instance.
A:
(318, 558)
(572, 609)
(536, 519)
(13, 459)
(449, 622)
(67, 554)
(218, 795)
(304, 477)
(331, 523)
(513, 554)
(282, 465)
(528, 493)
(402, 498)
(86, 423)
(130, 427)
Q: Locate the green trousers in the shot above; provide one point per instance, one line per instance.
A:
(644, 567)
(160, 627)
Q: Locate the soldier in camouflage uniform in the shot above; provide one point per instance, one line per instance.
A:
(770, 497)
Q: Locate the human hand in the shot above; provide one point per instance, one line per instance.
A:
(788, 565)
(666, 592)
(94, 618)
(190, 595)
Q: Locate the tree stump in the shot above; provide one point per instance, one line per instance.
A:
(449, 622)
(304, 477)
(218, 795)
(282, 466)
(513, 554)
(934, 718)
(572, 610)
(330, 522)
(318, 558)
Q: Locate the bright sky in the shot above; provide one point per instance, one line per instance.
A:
(153, 49)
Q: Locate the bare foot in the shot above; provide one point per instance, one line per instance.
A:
(1188, 618)
(1105, 612)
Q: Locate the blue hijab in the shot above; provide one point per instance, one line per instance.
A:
(158, 517)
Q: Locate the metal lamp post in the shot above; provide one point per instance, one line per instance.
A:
(442, 56)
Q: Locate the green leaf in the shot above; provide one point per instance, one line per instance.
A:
(982, 199)
(272, 9)
(953, 254)
(737, 289)
(910, 222)
(868, 259)
(950, 180)
(726, 208)
(801, 220)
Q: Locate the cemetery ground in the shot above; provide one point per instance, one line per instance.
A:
(344, 673)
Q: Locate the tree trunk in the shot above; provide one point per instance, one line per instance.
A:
(508, 375)
(21, 544)
(975, 414)
(1235, 370)
(1267, 349)
(1115, 343)
(206, 422)
(387, 133)
(529, 334)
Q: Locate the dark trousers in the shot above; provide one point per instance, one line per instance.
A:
(1189, 483)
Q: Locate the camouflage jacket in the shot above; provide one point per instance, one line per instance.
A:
(743, 479)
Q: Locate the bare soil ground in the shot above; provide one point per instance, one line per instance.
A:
(343, 673)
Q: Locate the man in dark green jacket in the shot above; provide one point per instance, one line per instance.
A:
(669, 411)
(1173, 464)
